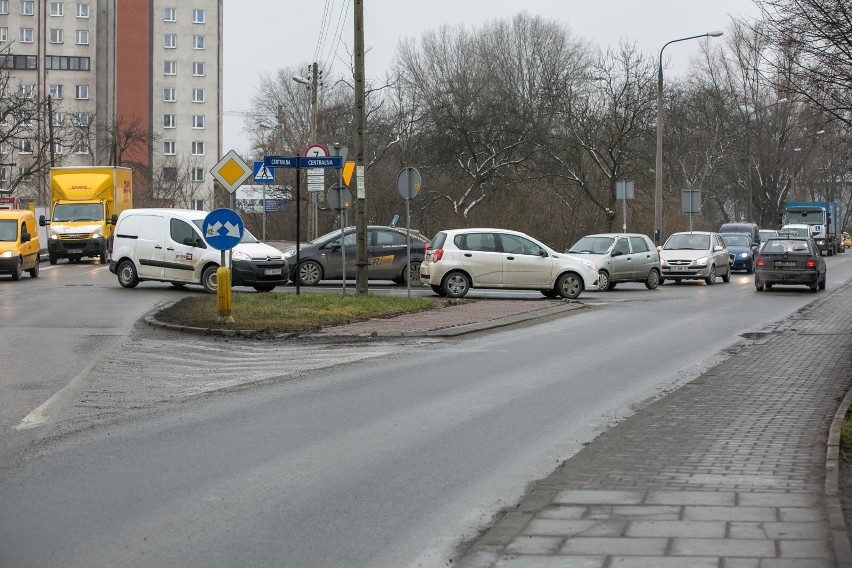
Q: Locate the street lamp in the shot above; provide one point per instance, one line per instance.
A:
(749, 113)
(658, 189)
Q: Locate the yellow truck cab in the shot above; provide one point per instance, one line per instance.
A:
(84, 204)
(19, 245)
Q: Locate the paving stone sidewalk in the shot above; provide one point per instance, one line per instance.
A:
(729, 471)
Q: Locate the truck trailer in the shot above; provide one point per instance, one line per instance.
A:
(84, 204)
(823, 219)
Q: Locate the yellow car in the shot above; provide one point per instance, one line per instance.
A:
(847, 239)
(19, 245)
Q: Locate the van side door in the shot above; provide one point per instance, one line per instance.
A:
(150, 246)
(185, 250)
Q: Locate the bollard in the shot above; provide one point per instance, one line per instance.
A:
(223, 293)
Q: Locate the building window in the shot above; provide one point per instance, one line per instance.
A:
(198, 204)
(4, 6)
(82, 10)
(81, 119)
(169, 15)
(169, 173)
(82, 37)
(4, 35)
(198, 42)
(56, 9)
(27, 120)
(198, 16)
(198, 174)
(169, 121)
(170, 41)
(57, 147)
(169, 67)
(26, 35)
(169, 95)
(198, 95)
(27, 90)
(198, 148)
(81, 92)
(198, 121)
(57, 35)
(169, 148)
(82, 146)
(18, 62)
(65, 62)
(27, 7)
(54, 91)
(26, 146)
(57, 119)
(198, 68)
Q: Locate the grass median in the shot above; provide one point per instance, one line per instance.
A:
(289, 313)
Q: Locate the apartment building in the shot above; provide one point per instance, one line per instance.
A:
(113, 67)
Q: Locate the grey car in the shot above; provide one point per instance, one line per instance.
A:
(321, 259)
(620, 257)
(695, 255)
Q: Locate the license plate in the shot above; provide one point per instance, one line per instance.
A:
(272, 272)
(785, 263)
(679, 268)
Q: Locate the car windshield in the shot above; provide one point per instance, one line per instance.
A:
(687, 241)
(8, 230)
(788, 246)
(798, 231)
(592, 245)
(737, 240)
(64, 212)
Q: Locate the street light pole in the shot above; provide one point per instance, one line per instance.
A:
(658, 172)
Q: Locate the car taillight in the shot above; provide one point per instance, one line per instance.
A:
(811, 262)
(760, 262)
(439, 253)
(426, 247)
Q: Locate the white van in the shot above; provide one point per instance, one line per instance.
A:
(167, 245)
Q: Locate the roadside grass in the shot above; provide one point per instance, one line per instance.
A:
(846, 437)
(289, 313)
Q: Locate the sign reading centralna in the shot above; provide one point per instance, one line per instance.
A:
(319, 162)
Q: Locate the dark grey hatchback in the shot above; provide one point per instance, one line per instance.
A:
(789, 260)
(322, 258)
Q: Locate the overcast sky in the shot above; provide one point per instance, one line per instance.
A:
(262, 36)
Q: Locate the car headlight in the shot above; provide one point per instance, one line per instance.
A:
(52, 234)
(744, 255)
(98, 234)
(664, 262)
(700, 261)
(289, 254)
(589, 264)
(240, 255)
(7, 254)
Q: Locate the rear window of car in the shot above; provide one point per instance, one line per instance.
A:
(788, 246)
(485, 242)
(438, 241)
(737, 240)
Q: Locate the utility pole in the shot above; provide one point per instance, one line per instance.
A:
(360, 198)
(313, 223)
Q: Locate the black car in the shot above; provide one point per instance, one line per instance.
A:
(321, 259)
(789, 260)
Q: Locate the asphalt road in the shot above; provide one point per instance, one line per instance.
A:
(385, 461)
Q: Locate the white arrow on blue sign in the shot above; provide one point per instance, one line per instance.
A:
(222, 229)
(263, 173)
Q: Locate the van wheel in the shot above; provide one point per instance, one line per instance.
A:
(51, 258)
(208, 279)
(35, 268)
(17, 269)
(127, 276)
(569, 285)
(103, 257)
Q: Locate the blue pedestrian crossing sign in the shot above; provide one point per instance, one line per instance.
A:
(263, 173)
(222, 229)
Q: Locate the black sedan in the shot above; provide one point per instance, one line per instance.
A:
(322, 258)
(789, 260)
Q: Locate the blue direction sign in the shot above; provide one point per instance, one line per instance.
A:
(320, 162)
(280, 161)
(263, 173)
(222, 229)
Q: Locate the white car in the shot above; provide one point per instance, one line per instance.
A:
(461, 259)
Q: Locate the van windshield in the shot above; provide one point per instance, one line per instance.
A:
(64, 212)
(8, 230)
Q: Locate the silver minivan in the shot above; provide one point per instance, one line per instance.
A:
(620, 257)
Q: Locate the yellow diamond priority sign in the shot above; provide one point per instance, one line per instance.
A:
(231, 171)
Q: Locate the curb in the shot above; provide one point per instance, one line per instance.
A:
(836, 520)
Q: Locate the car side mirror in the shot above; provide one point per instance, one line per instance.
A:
(42, 221)
(25, 237)
(543, 253)
(113, 220)
(616, 253)
(717, 248)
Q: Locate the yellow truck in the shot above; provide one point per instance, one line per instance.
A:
(84, 205)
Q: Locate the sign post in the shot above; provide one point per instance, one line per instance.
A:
(690, 203)
(223, 229)
(408, 184)
(263, 176)
(624, 191)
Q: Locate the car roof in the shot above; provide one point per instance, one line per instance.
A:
(693, 233)
(617, 235)
(188, 214)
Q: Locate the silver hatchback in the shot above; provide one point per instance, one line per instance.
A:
(696, 255)
(620, 257)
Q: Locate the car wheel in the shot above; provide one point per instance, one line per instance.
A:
(437, 289)
(17, 269)
(310, 273)
(127, 276)
(758, 287)
(209, 280)
(34, 270)
(569, 285)
(455, 284)
(822, 283)
(51, 258)
(603, 281)
(413, 274)
(653, 280)
(549, 293)
(769, 286)
(264, 288)
(727, 277)
(711, 279)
